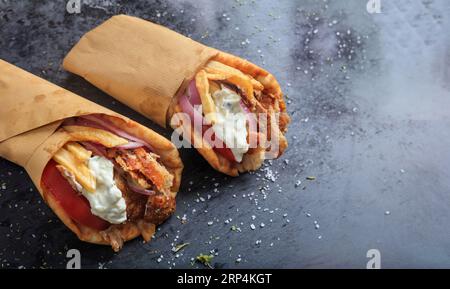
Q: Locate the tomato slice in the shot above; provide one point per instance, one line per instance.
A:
(223, 150)
(75, 204)
(226, 153)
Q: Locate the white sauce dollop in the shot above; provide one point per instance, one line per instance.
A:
(231, 122)
(107, 201)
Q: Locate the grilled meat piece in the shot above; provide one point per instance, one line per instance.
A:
(113, 236)
(159, 208)
(154, 209)
(154, 171)
(135, 202)
(143, 167)
(130, 164)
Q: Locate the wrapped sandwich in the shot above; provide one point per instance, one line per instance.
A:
(229, 109)
(108, 178)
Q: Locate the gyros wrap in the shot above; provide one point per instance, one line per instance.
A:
(108, 178)
(161, 73)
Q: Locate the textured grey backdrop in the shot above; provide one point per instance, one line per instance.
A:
(369, 96)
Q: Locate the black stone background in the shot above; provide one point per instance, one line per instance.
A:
(369, 96)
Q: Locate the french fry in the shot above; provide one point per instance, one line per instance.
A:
(217, 76)
(256, 84)
(245, 85)
(84, 133)
(78, 151)
(215, 67)
(213, 87)
(202, 84)
(78, 168)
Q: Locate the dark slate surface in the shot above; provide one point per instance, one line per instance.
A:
(369, 96)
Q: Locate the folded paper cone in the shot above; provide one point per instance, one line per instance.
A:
(31, 112)
(139, 63)
(147, 67)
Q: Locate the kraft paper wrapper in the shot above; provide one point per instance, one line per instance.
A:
(31, 111)
(141, 64)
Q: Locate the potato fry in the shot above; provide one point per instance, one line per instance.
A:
(209, 108)
(215, 67)
(213, 87)
(84, 133)
(245, 85)
(245, 82)
(217, 76)
(256, 84)
(78, 168)
(78, 151)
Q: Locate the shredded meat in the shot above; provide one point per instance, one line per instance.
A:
(153, 170)
(147, 229)
(135, 202)
(254, 158)
(113, 236)
(129, 163)
(145, 170)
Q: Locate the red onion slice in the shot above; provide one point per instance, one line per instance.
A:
(252, 122)
(130, 145)
(94, 148)
(140, 190)
(85, 122)
(195, 116)
(187, 107)
(98, 122)
(194, 96)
